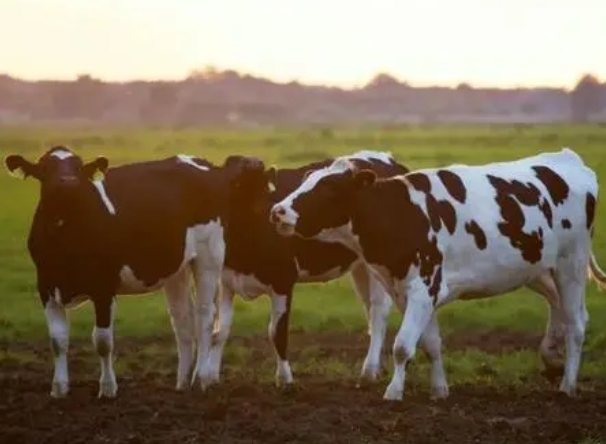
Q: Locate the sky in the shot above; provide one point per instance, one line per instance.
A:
(501, 43)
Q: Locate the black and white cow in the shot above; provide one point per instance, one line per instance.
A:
(462, 232)
(260, 261)
(144, 226)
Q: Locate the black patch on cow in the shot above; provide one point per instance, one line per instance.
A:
(478, 234)
(403, 236)
(590, 202)
(420, 182)
(545, 208)
(556, 186)
(512, 226)
(441, 211)
(453, 184)
(566, 224)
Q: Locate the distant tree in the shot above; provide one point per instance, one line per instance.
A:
(585, 98)
(382, 80)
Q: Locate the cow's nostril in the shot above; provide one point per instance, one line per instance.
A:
(280, 211)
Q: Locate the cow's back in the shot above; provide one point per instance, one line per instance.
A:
(512, 219)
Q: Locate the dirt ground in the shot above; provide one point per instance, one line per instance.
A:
(248, 408)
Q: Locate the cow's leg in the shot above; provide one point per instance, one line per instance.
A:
(417, 314)
(58, 330)
(221, 333)
(181, 310)
(278, 332)
(431, 342)
(208, 267)
(553, 341)
(570, 277)
(377, 304)
(103, 341)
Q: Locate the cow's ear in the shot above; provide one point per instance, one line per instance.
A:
(270, 175)
(364, 178)
(20, 167)
(95, 169)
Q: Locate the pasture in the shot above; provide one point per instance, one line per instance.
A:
(497, 391)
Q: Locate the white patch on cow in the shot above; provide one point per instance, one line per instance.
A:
(246, 285)
(190, 161)
(58, 330)
(104, 197)
(369, 155)
(62, 154)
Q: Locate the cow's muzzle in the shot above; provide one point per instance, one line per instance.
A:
(279, 217)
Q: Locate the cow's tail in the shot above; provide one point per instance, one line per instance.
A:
(596, 273)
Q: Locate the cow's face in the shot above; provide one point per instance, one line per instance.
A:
(251, 187)
(322, 201)
(59, 170)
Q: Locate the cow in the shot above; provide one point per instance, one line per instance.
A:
(141, 227)
(260, 261)
(433, 236)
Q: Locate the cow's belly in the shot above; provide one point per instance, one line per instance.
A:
(195, 238)
(247, 286)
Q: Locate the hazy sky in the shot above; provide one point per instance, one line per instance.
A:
(484, 42)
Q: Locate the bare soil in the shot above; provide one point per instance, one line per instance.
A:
(247, 407)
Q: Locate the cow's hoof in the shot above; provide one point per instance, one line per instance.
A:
(108, 389)
(59, 389)
(393, 394)
(439, 392)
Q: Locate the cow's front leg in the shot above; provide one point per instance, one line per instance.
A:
(58, 330)
(103, 341)
(417, 315)
(278, 332)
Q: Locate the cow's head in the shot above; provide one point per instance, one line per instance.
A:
(59, 170)
(323, 200)
(250, 185)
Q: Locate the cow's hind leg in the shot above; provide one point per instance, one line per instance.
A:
(58, 330)
(377, 304)
(103, 341)
(221, 333)
(181, 311)
(570, 278)
(551, 347)
(208, 267)
(431, 342)
(278, 332)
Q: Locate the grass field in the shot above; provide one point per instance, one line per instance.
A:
(490, 343)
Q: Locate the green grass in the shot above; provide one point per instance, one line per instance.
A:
(331, 306)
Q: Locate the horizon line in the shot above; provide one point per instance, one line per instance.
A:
(302, 82)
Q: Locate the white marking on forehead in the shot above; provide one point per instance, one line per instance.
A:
(62, 154)
(104, 197)
(190, 160)
(381, 156)
(339, 165)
